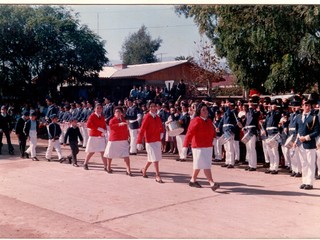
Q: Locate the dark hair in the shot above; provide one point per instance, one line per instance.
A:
(150, 102)
(118, 108)
(198, 109)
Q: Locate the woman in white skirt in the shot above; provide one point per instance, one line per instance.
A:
(97, 141)
(118, 145)
(151, 130)
(200, 135)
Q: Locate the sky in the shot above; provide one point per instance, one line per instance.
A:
(114, 23)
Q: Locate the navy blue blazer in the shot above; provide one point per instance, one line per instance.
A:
(310, 127)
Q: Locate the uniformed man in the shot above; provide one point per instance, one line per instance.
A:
(250, 128)
(271, 127)
(6, 128)
(307, 127)
(133, 115)
(227, 124)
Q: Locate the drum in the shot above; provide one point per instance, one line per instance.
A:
(273, 142)
(290, 141)
(283, 138)
(246, 138)
(174, 128)
(263, 136)
(225, 138)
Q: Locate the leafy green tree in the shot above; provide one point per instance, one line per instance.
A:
(47, 43)
(267, 47)
(139, 48)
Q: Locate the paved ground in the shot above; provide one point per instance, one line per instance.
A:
(52, 200)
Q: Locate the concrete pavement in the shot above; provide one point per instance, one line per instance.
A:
(52, 200)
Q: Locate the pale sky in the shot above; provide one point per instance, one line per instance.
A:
(113, 23)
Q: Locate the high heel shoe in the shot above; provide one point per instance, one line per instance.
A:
(108, 170)
(145, 175)
(159, 181)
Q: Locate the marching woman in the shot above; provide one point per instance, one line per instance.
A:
(200, 135)
(97, 131)
(151, 130)
(118, 145)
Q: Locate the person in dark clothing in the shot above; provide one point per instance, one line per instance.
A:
(6, 128)
(73, 133)
(20, 134)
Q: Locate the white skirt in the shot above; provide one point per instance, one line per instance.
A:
(202, 158)
(117, 149)
(154, 151)
(96, 144)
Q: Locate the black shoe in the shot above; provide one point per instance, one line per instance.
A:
(49, 160)
(308, 187)
(266, 165)
(85, 167)
(230, 166)
(145, 175)
(108, 170)
(195, 184)
(11, 152)
(69, 159)
(132, 153)
(303, 186)
(268, 171)
(252, 169)
(247, 168)
(129, 174)
(26, 154)
(178, 159)
(298, 175)
(318, 177)
(224, 165)
(35, 159)
(215, 186)
(293, 174)
(75, 165)
(61, 160)
(182, 160)
(274, 172)
(288, 168)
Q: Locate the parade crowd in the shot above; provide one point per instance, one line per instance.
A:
(208, 131)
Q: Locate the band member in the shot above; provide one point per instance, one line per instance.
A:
(250, 128)
(184, 121)
(294, 153)
(118, 146)
(151, 130)
(271, 126)
(200, 135)
(284, 133)
(20, 134)
(266, 109)
(227, 124)
(6, 128)
(217, 147)
(133, 116)
(86, 112)
(54, 132)
(307, 127)
(97, 131)
(108, 112)
(31, 129)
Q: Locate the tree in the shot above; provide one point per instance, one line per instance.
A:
(206, 66)
(139, 48)
(266, 46)
(47, 43)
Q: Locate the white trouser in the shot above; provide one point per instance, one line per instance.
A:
(251, 155)
(236, 147)
(308, 163)
(217, 149)
(318, 161)
(265, 151)
(273, 154)
(180, 140)
(85, 135)
(56, 144)
(229, 147)
(64, 128)
(286, 155)
(133, 140)
(295, 160)
(33, 143)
